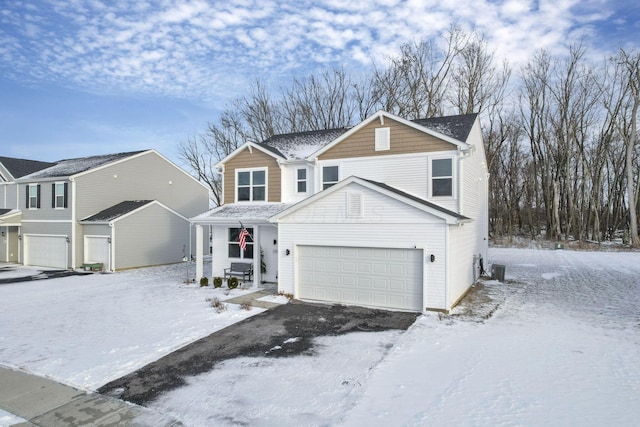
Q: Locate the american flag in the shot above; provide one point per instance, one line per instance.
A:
(243, 239)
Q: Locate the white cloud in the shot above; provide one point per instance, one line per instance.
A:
(203, 49)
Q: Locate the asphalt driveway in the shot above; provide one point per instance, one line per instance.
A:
(261, 335)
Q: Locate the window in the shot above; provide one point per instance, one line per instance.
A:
(383, 139)
(252, 185)
(33, 196)
(59, 195)
(329, 176)
(235, 251)
(442, 177)
(301, 180)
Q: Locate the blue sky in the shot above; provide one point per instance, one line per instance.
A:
(84, 77)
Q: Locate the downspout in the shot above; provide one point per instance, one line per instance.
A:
(112, 245)
(446, 268)
(73, 224)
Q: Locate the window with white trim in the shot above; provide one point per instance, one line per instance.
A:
(442, 177)
(33, 196)
(235, 251)
(301, 180)
(59, 195)
(383, 139)
(329, 176)
(251, 185)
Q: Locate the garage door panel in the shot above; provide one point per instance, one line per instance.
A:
(46, 251)
(390, 278)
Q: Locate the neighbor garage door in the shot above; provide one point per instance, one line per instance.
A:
(96, 249)
(45, 251)
(378, 277)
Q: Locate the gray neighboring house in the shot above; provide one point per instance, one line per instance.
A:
(123, 210)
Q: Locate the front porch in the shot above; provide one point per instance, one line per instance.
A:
(223, 225)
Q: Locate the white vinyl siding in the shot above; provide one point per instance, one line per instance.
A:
(385, 223)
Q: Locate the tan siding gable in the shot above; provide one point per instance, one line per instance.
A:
(404, 140)
(247, 160)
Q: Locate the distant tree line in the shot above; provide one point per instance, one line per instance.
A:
(560, 134)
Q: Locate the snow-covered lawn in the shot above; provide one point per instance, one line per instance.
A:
(562, 348)
(558, 344)
(88, 330)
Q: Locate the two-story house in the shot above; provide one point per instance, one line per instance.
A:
(389, 213)
(121, 210)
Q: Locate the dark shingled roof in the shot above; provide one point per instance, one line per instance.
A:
(70, 167)
(4, 211)
(457, 127)
(21, 167)
(117, 211)
(416, 199)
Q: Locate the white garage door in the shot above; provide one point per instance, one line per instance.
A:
(96, 249)
(377, 277)
(45, 251)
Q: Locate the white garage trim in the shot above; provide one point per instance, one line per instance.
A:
(370, 276)
(46, 250)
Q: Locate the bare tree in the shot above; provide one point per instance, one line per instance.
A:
(628, 127)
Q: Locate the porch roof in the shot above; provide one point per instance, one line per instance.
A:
(234, 213)
(10, 217)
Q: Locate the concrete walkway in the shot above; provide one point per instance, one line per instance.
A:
(46, 403)
(253, 299)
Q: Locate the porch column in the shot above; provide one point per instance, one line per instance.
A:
(199, 255)
(256, 256)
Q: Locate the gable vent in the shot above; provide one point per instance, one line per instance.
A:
(383, 139)
(354, 205)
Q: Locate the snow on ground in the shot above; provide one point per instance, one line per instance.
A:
(558, 344)
(7, 419)
(88, 330)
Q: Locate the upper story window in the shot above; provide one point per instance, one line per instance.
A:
(442, 177)
(59, 195)
(383, 139)
(301, 180)
(33, 196)
(329, 176)
(251, 185)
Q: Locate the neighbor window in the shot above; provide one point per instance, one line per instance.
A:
(252, 185)
(301, 180)
(329, 176)
(235, 251)
(59, 195)
(442, 177)
(33, 196)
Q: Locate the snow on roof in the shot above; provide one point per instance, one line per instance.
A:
(117, 211)
(457, 127)
(4, 211)
(236, 212)
(21, 167)
(301, 144)
(70, 167)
